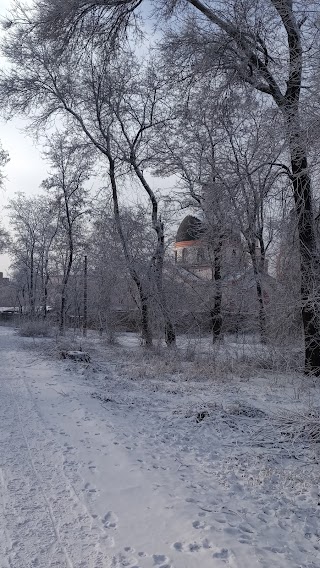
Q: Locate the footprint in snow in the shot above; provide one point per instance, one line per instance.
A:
(178, 546)
(225, 555)
(110, 520)
(193, 546)
(124, 560)
(90, 490)
(199, 525)
(158, 559)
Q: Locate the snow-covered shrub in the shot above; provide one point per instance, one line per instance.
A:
(112, 337)
(303, 425)
(35, 328)
(239, 408)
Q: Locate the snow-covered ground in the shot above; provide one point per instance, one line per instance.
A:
(151, 461)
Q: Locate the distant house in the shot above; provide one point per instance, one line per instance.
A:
(3, 280)
(7, 299)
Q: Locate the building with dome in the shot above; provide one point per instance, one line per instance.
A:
(190, 248)
(195, 249)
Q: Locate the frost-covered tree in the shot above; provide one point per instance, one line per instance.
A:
(115, 105)
(269, 47)
(71, 165)
(227, 166)
(34, 223)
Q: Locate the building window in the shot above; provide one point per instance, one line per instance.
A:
(184, 255)
(200, 256)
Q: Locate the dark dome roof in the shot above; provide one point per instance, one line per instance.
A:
(191, 229)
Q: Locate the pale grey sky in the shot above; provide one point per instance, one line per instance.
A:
(26, 169)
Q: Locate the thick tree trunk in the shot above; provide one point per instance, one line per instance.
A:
(309, 265)
(309, 251)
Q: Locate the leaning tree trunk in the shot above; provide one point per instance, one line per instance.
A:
(158, 256)
(143, 296)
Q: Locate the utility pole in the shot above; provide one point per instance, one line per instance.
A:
(85, 296)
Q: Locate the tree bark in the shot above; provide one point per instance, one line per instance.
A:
(145, 317)
(215, 313)
(157, 263)
(259, 289)
(309, 253)
(64, 289)
(302, 191)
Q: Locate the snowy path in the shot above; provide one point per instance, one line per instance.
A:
(70, 497)
(82, 488)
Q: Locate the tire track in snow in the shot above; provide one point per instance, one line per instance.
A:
(38, 477)
(7, 541)
(48, 524)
